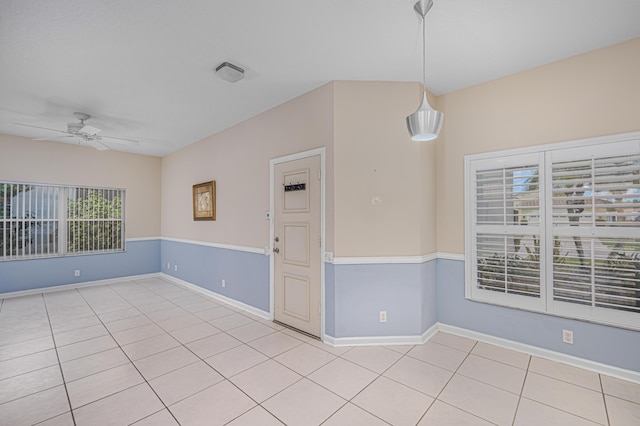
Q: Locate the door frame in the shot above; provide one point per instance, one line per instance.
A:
(272, 163)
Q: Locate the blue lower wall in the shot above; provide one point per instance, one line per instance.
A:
(415, 296)
(429, 282)
(246, 274)
(609, 345)
(140, 257)
(405, 291)
(329, 299)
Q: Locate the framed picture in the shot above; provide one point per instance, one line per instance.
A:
(204, 201)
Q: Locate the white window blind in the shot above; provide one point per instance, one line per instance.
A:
(557, 230)
(48, 220)
(29, 220)
(94, 220)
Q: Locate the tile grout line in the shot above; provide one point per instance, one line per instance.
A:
(526, 374)
(604, 399)
(53, 338)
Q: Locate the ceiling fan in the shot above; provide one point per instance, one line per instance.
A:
(85, 134)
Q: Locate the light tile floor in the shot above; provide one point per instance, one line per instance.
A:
(150, 352)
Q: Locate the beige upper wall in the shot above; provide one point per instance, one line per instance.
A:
(375, 157)
(428, 215)
(25, 160)
(590, 95)
(369, 154)
(238, 160)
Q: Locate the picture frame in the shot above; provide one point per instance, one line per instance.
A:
(204, 201)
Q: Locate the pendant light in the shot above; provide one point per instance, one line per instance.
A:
(425, 123)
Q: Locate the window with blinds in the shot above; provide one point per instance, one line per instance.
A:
(560, 225)
(49, 220)
(29, 220)
(596, 227)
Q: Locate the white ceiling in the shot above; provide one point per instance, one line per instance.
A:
(145, 68)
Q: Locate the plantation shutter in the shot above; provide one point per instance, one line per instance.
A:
(506, 228)
(595, 197)
(556, 229)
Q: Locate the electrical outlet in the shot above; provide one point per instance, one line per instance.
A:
(328, 256)
(223, 283)
(168, 265)
(383, 316)
(76, 273)
(567, 336)
(175, 268)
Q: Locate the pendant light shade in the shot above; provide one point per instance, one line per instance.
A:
(426, 122)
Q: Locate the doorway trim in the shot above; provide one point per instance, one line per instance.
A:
(272, 163)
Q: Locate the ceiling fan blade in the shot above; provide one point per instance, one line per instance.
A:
(38, 127)
(124, 141)
(53, 138)
(95, 143)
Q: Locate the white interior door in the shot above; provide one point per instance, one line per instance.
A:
(297, 244)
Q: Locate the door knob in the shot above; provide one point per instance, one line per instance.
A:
(276, 239)
(276, 250)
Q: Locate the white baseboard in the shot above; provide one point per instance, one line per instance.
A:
(248, 308)
(597, 367)
(373, 340)
(63, 287)
(431, 331)
(382, 340)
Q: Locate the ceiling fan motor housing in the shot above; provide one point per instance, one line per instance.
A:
(74, 127)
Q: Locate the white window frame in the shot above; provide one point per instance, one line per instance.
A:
(63, 193)
(545, 303)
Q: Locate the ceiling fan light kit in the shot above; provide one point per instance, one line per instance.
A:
(426, 122)
(229, 72)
